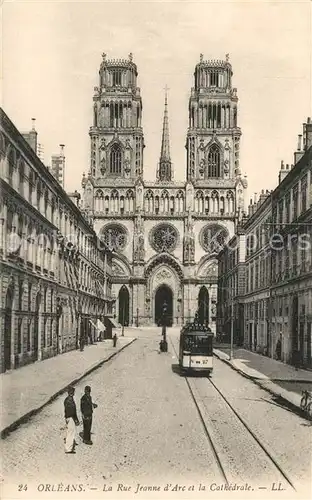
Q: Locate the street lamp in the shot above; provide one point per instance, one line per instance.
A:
(232, 325)
(163, 342)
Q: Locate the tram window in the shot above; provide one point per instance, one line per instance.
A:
(197, 344)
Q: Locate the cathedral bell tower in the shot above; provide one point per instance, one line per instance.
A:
(213, 135)
(116, 134)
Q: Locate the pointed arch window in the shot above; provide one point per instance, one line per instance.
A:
(115, 160)
(214, 161)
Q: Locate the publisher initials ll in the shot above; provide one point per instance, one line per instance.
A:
(277, 487)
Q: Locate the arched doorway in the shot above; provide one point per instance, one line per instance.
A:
(203, 306)
(123, 306)
(8, 328)
(163, 294)
(37, 326)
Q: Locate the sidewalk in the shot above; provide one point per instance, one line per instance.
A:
(278, 378)
(26, 390)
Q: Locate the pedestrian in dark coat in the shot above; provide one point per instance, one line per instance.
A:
(279, 349)
(71, 420)
(86, 407)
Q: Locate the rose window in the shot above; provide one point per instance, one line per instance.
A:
(213, 238)
(164, 238)
(115, 237)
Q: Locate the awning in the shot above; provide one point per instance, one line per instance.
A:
(112, 321)
(100, 326)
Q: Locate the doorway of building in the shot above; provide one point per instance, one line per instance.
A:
(36, 326)
(8, 328)
(123, 309)
(163, 295)
(203, 306)
(295, 339)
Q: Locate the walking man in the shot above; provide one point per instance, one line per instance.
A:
(71, 420)
(114, 340)
(86, 407)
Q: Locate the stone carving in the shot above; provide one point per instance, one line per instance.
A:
(95, 114)
(213, 237)
(103, 165)
(212, 270)
(115, 236)
(189, 224)
(163, 274)
(189, 198)
(202, 167)
(127, 166)
(117, 270)
(164, 238)
(213, 309)
(138, 240)
(189, 240)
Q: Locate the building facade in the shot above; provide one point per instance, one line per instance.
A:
(231, 289)
(165, 235)
(276, 251)
(55, 273)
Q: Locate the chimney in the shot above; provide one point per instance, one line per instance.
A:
(283, 172)
(307, 134)
(262, 197)
(299, 153)
(250, 208)
(58, 166)
(75, 197)
(31, 136)
(244, 218)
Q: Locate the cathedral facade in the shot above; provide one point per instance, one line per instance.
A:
(165, 235)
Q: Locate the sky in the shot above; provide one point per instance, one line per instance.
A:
(52, 53)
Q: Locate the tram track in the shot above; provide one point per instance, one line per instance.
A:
(253, 434)
(209, 432)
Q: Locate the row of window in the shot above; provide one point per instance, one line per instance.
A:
(212, 116)
(211, 168)
(32, 188)
(25, 236)
(295, 202)
(205, 77)
(154, 204)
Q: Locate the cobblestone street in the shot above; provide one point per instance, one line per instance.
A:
(147, 430)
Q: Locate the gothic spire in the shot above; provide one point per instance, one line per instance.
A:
(165, 169)
(165, 147)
